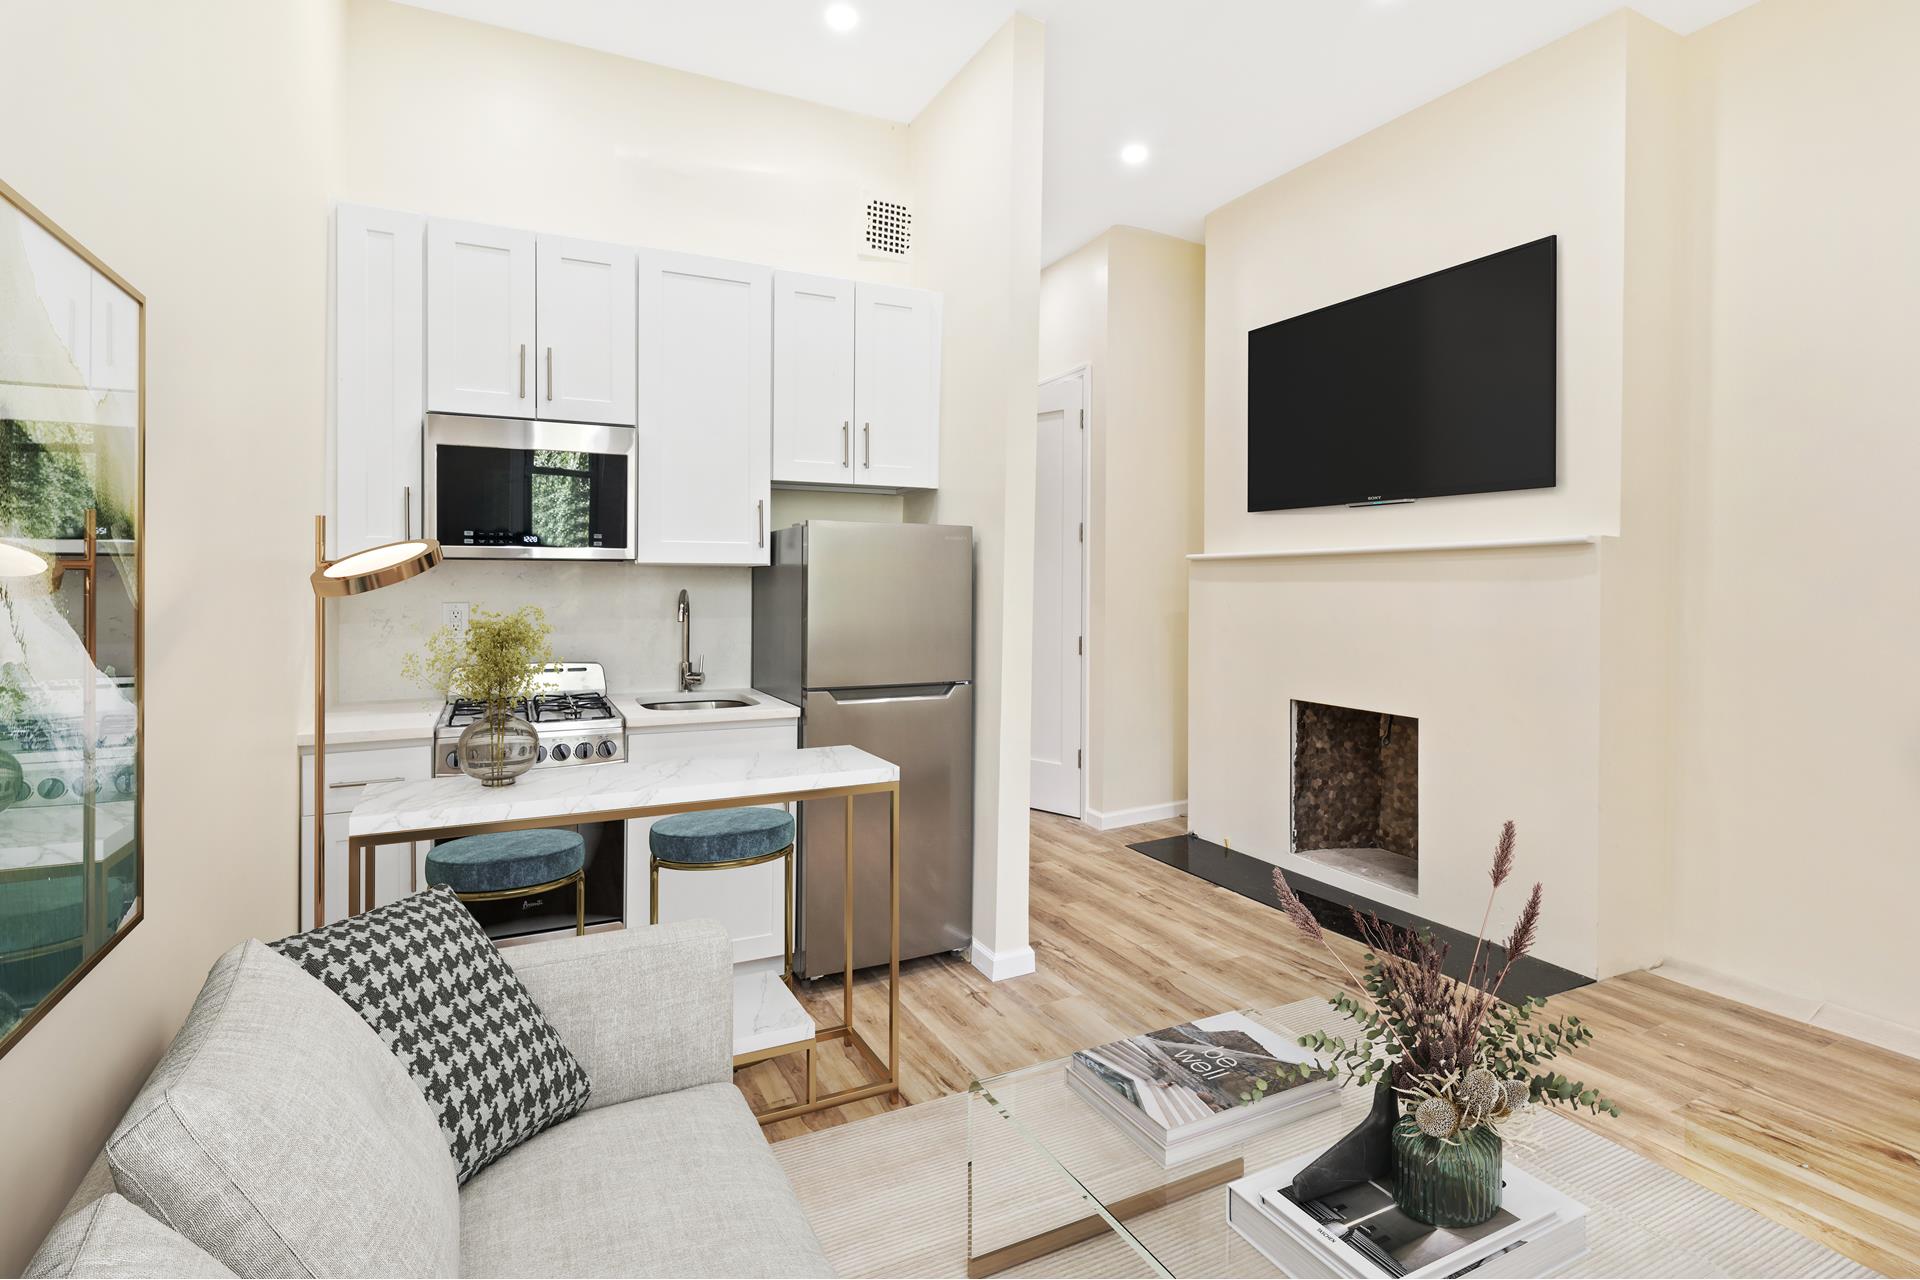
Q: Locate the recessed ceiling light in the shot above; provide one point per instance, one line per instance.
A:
(1134, 153)
(842, 17)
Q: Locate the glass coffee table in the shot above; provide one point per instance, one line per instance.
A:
(1055, 1188)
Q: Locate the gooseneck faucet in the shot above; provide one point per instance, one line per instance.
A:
(690, 675)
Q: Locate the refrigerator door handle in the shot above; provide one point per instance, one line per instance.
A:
(873, 697)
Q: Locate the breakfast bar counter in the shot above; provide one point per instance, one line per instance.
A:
(441, 808)
(449, 807)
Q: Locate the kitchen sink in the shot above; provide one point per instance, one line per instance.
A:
(697, 704)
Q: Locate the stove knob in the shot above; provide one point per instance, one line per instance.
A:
(607, 748)
(582, 751)
(52, 788)
(539, 755)
(453, 759)
(123, 780)
(561, 751)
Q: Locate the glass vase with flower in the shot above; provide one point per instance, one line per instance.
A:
(496, 661)
(1454, 1066)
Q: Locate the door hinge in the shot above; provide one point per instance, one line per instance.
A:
(1079, 758)
(1083, 419)
(1080, 644)
(1083, 531)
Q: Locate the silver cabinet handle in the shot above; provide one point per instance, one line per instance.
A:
(846, 444)
(549, 375)
(523, 371)
(364, 782)
(760, 520)
(866, 437)
(406, 512)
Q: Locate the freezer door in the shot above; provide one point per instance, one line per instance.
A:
(888, 604)
(928, 732)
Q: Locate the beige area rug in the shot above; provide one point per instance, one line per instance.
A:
(916, 1191)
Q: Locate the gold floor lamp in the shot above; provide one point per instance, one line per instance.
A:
(352, 575)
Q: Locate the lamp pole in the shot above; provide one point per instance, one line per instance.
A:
(319, 735)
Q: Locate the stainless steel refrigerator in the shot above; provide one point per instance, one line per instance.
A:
(868, 629)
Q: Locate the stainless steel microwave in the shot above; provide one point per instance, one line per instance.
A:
(515, 489)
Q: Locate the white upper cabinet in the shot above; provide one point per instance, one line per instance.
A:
(705, 400)
(115, 344)
(812, 379)
(378, 379)
(896, 387)
(585, 299)
(481, 345)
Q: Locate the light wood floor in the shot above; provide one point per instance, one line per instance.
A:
(1815, 1130)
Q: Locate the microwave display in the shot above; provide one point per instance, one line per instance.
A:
(554, 498)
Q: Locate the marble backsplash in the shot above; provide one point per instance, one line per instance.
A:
(619, 615)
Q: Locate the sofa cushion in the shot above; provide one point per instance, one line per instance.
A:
(426, 977)
(678, 1184)
(113, 1238)
(280, 1135)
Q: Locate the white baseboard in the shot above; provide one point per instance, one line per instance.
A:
(1116, 818)
(999, 966)
(1896, 1036)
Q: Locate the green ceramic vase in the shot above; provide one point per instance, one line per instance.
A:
(1446, 1184)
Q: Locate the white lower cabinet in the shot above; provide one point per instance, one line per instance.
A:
(397, 869)
(749, 902)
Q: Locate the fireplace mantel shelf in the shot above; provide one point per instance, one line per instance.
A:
(1398, 548)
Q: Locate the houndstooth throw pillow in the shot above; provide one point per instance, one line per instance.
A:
(425, 976)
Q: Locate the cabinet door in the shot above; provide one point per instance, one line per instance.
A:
(115, 345)
(705, 410)
(378, 380)
(584, 301)
(812, 379)
(896, 387)
(480, 324)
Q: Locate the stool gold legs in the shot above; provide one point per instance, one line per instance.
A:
(786, 971)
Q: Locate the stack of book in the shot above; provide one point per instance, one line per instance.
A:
(1360, 1232)
(1198, 1088)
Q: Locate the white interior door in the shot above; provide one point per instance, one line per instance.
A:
(1058, 629)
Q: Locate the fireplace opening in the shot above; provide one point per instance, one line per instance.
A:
(1356, 792)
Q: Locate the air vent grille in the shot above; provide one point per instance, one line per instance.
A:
(887, 229)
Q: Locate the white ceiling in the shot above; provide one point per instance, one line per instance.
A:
(1227, 93)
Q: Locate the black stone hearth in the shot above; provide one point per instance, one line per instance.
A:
(1252, 878)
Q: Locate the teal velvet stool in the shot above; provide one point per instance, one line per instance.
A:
(722, 840)
(513, 864)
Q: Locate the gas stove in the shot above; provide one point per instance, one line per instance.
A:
(576, 720)
(48, 744)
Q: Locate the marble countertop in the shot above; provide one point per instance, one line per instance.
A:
(411, 721)
(564, 793)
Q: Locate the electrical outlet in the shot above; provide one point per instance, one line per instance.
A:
(454, 615)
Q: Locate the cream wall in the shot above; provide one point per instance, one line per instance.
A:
(1147, 466)
(195, 157)
(1799, 707)
(1464, 176)
(454, 118)
(1131, 305)
(1498, 653)
(975, 156)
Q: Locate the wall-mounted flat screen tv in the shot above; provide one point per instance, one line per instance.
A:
(1441, 385)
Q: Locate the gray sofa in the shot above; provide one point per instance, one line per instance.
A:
(278, 1136)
